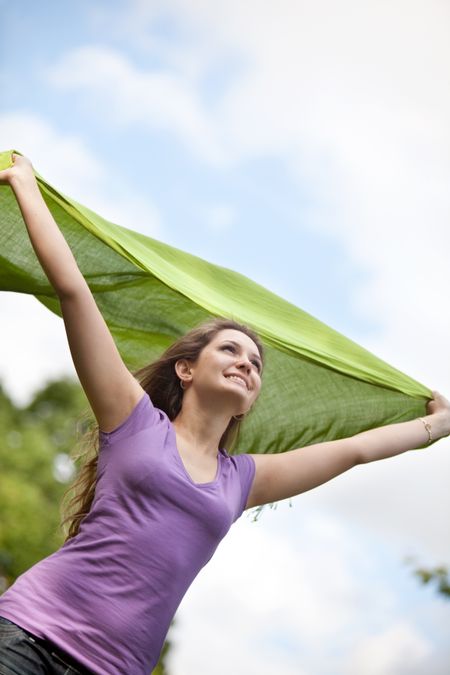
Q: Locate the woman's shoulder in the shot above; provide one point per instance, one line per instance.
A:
(142, 416)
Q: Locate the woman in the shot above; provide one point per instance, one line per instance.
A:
(163, 491)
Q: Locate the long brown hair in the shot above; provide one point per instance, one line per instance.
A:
(160, 381)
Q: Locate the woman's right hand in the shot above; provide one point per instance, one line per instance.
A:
(22, 169)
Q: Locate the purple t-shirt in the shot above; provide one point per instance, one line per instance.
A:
(108, 595)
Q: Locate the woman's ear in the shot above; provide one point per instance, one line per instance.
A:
(183, 370)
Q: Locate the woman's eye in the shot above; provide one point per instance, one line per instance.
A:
(258, 365)
(231, 348)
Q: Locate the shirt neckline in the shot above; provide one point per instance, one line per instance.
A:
(186, 472)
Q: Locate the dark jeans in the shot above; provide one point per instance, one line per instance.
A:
(22, 653)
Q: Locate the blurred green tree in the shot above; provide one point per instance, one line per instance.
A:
(438, 575)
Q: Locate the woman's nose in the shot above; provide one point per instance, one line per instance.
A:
(244, 364)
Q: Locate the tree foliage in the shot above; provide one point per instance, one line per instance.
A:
(438, 575)
(35, 468)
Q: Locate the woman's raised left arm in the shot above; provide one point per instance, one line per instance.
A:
(279, 476)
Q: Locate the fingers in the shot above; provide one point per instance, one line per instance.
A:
(436, 394)
(439, 401)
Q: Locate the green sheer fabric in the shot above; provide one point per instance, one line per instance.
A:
(317, 385)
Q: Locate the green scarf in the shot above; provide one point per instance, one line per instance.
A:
(317, 384)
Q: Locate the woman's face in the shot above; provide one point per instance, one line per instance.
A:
(229, 367)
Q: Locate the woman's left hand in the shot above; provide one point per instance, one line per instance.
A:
(439, 405)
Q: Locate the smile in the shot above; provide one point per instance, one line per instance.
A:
(237, 379)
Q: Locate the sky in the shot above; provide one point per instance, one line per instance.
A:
(307, 146)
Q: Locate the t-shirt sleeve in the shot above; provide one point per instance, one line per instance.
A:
(246, 471)
(143, 415)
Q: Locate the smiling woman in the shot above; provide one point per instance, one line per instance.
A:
(159, 490)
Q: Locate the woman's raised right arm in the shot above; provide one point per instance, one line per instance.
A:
(111, 389)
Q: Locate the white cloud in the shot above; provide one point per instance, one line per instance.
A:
(396, 650)
(69, 164)
(277, 594)
(403, 501)
(259, 587)
(126, 95)
(33, 344)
